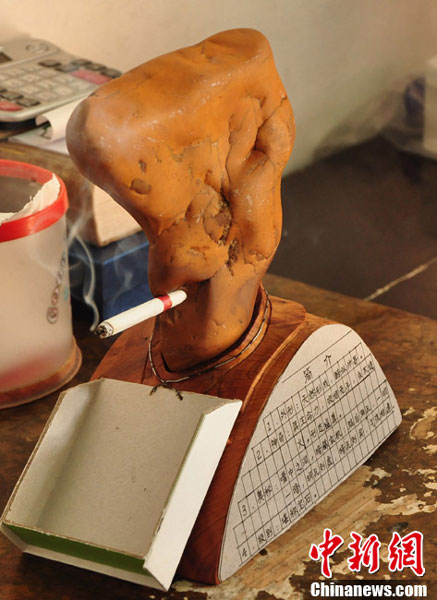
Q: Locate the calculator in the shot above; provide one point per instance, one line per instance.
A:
(36, 76)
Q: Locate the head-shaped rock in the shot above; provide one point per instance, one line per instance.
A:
(193, 145)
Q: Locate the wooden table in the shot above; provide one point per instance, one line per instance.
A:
(394, 491)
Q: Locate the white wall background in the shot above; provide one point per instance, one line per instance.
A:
(334, 56)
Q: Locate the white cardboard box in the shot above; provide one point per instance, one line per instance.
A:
(117, 478)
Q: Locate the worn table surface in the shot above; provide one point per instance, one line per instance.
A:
(394, 491)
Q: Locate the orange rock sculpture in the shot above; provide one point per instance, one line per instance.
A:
(193, 145)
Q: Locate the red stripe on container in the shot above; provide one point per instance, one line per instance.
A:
(12, 230)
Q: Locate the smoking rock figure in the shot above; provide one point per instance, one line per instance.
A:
(193, 145)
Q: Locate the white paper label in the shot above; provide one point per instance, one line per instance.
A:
(330, 410)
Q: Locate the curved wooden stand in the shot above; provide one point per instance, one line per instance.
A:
(250, 376)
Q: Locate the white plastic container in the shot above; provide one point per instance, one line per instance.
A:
(38, 353)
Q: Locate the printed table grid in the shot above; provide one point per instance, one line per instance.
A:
(312, 439)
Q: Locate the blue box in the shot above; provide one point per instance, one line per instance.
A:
(119, 271)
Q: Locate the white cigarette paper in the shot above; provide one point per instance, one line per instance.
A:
(140, 313)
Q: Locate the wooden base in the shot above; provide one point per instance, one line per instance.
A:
(42, 388)
(250, 377)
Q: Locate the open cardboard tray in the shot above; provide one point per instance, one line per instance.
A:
(118, 477)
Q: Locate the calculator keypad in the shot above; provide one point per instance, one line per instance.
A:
(50, 81)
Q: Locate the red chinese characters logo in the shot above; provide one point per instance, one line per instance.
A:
(403, 552)
(364, 553)
(325, 550)
(406, 552)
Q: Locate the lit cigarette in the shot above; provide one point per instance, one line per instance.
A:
(140, 313)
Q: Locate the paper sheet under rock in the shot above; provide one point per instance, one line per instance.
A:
(50, 130)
